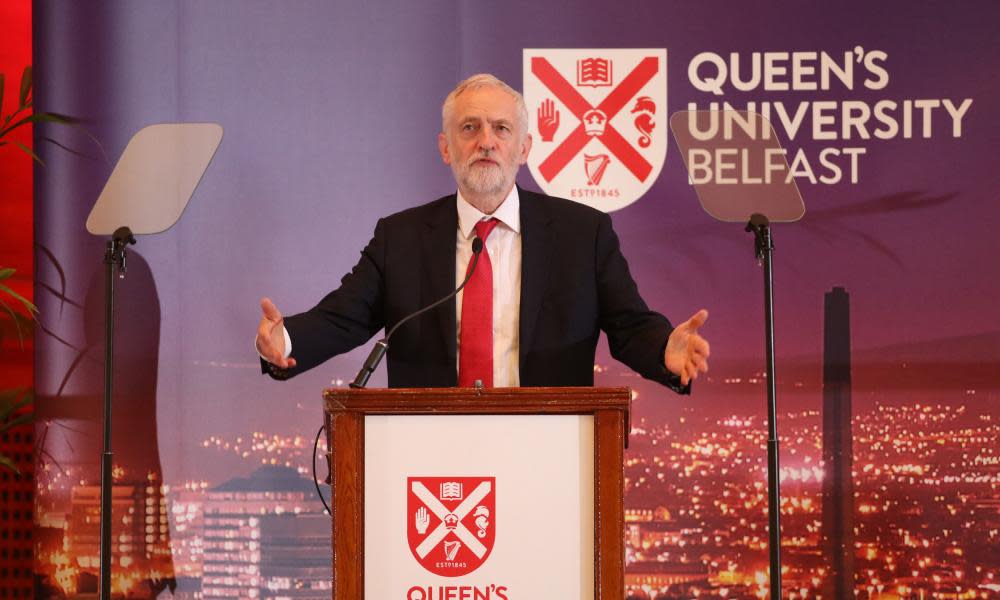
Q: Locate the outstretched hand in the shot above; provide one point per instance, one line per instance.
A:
(271, 336)
(687, 352)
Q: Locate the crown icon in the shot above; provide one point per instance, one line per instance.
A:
(450, 521)
(594, 121)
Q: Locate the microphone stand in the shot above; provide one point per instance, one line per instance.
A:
(378, 351)
(763, 246)
(114, 256)
(375, 357)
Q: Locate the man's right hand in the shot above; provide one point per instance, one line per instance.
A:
(271, 336)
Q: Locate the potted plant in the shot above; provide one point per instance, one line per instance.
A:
(17, 313)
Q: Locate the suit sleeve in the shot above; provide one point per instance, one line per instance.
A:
(637, 336)
(344, 319)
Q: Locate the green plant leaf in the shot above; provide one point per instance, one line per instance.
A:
(57, 118)
(30, 153)
(65, 147)
(14, 126)
(25, 85)
(35, 118)
(21, 323)
(16, 421)
(9, 395)
(7, 272)
(24, 301)
(13, 399)
(42, 117)
(6, 462)
(10, 402)
(13, 317)
(10, 117)
(7, 404)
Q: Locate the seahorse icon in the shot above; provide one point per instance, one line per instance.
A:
(646, 108)
(482, 520)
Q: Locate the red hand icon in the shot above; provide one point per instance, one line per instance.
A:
(548, 120)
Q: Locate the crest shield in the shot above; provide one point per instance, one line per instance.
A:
(451, 522)
(587, 103)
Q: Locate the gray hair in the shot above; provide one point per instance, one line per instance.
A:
(480, 81)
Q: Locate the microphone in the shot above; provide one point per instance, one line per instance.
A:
(375, 357)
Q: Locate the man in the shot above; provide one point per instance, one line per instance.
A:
(550, 278)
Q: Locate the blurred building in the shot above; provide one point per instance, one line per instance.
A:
(266, 537)
(140, 551)
(658, 574)
(838, 453)
(187, 543)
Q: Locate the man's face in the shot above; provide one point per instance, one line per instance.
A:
(484, 141)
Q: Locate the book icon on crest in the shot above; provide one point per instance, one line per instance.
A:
(593, 72)
(451, 490)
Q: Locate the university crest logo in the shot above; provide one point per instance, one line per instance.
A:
(451, 522)
(599, 122)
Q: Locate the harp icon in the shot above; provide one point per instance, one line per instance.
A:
(595, 166)
(451, 549)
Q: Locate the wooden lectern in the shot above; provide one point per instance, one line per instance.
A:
(553, 457)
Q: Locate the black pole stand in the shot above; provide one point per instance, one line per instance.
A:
(114, 256)
(763, 246)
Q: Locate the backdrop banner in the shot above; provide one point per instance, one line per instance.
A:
(887, 320)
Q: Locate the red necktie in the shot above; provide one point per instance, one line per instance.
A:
(475, 359)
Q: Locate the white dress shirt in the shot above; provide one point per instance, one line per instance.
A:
(504, 247)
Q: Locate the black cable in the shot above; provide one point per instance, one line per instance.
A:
(316, 481)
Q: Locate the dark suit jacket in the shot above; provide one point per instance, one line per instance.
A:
(574, 283)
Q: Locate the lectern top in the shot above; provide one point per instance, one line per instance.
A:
(542, 400)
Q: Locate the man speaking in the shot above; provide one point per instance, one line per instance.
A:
(550, 276)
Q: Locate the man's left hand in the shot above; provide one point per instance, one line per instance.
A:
(687, 352)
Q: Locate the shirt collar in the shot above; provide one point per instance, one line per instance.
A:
(509, 214)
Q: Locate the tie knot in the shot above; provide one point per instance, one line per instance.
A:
(483, 228)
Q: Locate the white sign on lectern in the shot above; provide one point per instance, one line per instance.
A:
(450, 510)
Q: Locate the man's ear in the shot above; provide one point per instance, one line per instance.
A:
(525, 148)
(443, 148)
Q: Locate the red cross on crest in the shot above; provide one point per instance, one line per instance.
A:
(451, 522)
(596, 102)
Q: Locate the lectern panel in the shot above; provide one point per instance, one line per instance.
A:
(481, 504)
(477, 494)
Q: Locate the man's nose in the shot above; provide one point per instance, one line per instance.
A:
(487, 141)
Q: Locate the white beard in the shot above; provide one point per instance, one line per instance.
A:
(485, 180)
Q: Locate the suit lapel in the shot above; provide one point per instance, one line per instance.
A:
(438, 258)
(536, 250)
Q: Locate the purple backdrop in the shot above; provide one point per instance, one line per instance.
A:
(331, 111)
